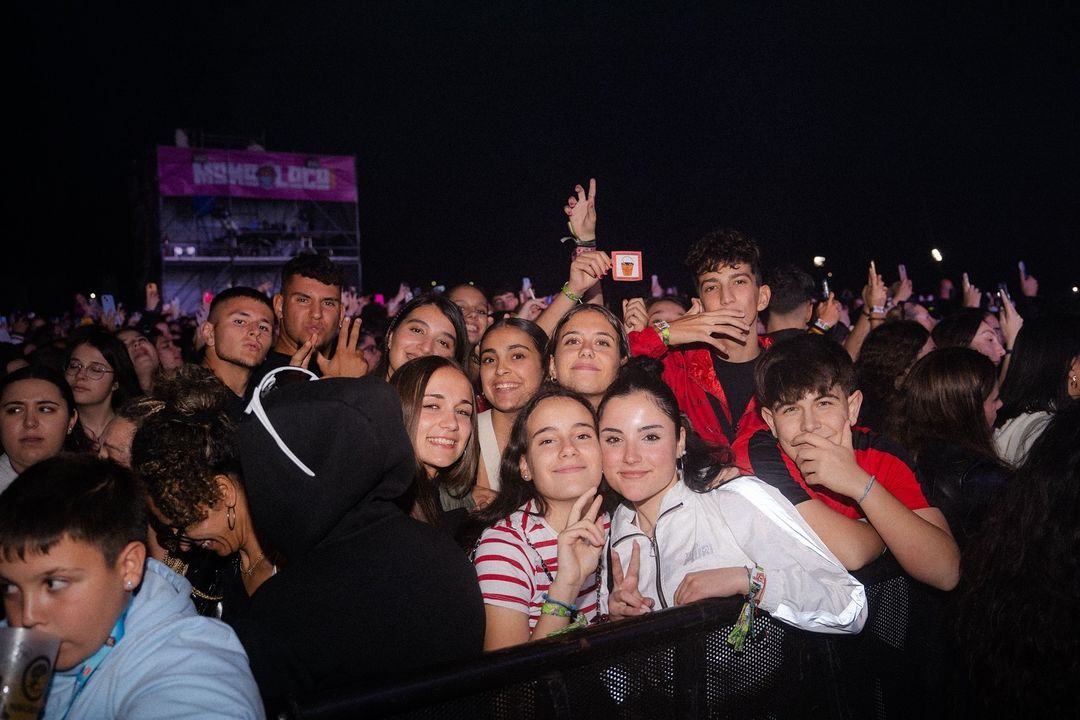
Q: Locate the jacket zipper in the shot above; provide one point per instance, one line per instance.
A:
(656, 555)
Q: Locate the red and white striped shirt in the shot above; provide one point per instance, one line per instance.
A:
(509, 568)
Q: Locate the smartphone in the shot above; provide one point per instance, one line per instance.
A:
(1023, 269)
(526, 283)
(108, 304)
(824, 289)
(1004, 290)
(902, 269)
(873, 268)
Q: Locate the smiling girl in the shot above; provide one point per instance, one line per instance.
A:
(538, 562)
(438, 407)
(739, 539)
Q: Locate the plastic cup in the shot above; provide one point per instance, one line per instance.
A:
(27, 660)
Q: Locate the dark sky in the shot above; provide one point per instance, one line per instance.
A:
(844, 130)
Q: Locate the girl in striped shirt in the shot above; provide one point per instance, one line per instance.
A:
(538, 561)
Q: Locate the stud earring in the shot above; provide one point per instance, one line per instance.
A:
(128, 585)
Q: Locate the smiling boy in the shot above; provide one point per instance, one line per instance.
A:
(852, 486)
(73, 565)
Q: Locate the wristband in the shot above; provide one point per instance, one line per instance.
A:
(558, 607)
(866, 492)
(1008, 351)
(664, 329)
(744, 626)
(574, 297)
(821, 325)
(878, 309)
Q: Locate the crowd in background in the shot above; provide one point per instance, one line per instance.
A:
(349, 491)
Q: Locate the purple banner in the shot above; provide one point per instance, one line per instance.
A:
(242, 173)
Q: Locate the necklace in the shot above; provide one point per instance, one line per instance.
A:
(547, 571)
(251, 570)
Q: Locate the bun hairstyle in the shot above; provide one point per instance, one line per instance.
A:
(181, 448)
(701, 463)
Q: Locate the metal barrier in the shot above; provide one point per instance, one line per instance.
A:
(673, 664)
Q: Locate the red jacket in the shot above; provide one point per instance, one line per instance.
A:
(690, 375)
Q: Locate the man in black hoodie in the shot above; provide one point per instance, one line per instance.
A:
(368, 595)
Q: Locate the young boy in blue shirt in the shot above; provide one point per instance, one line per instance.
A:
(73, 564)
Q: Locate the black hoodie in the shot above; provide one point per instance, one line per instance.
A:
(368, 593)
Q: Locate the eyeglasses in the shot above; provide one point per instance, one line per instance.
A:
(94, 371)
(478, 311)
(170, 537)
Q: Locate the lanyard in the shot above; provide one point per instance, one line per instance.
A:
(91, 664)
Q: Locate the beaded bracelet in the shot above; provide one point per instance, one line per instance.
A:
(574, 297)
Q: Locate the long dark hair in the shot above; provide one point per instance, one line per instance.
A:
(76, 441)
(115, 354)
(942, 402)
(701, 464)
(1019, 580)
(620, 331)
(1038, 377)
(888, 352)
(514, 491)
(958, 328)
(447, 308)
(410, 381)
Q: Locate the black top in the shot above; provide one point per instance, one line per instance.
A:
(369, 594)
(737, 380)
(962, 484)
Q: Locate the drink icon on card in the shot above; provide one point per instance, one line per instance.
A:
(626, 265)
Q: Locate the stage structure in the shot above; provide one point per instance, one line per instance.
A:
(234, 217)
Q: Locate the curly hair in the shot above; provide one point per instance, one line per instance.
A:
(723, 246)
(179, 450)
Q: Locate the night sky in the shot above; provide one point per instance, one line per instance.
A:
(848, 131)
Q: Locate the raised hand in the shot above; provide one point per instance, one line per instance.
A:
(828, 311)
(586, 270)
(635, 317)
(581, 543)
(1010, 320)
(531, 309)
(349, 360)
(625, 599)
(656, 290)
(901, 290)
(153, 296)
(581, 210)
(713, 327)
(972, 294)
(304, 353)
(1029, 286)
(874, 292)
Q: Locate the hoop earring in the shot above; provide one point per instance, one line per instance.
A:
(230, 516)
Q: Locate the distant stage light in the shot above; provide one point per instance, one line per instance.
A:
(1076, 289)
(190, 249)
(936, 254)
(828, 274)
(93, 296)
(178, 251)
(819, 261)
